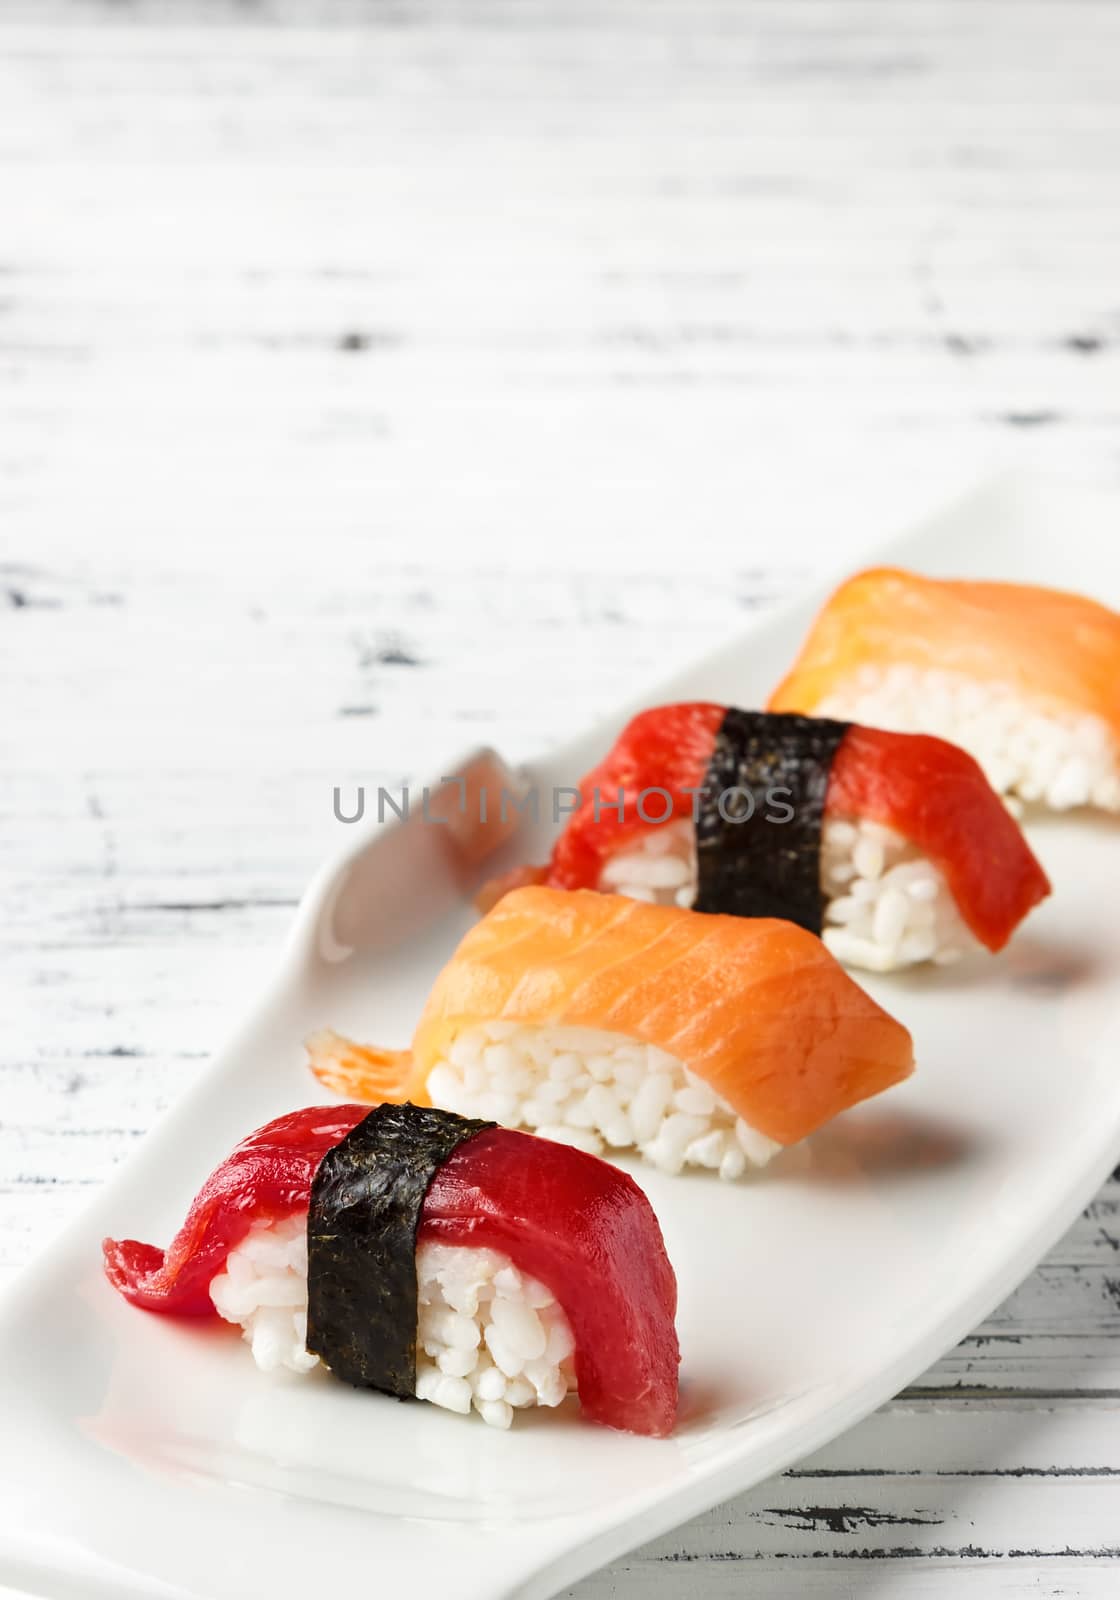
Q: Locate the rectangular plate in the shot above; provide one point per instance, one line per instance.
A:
(146, 1457)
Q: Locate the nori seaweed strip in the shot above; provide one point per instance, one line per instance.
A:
(761, 866)
(366, 1200)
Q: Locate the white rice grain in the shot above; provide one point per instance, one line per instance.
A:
(487, 1336)
(886, 905)
(612, 1091)
(1056, 758)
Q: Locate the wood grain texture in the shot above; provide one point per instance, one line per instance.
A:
(375, 378)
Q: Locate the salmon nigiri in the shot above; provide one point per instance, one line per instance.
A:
(1026, 679)
(706, 1041)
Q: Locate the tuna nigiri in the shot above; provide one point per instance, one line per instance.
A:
(704, 1041)
(1027, 679)
(412, 1251)
(894, 847)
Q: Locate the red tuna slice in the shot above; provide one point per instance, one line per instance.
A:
(587, 1232)
(936, 796)
(667, 747)
(582, 1228)
(267, 1175)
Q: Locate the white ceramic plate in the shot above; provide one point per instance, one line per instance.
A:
(148, 1458)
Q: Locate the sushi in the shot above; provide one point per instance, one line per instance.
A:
(702, 1041)
(892, 847)
(1026, 679)
(423, 1254)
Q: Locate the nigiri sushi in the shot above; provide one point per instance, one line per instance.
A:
(703, 1041)
(1027, 679)
(893, 847)
(423, 1254)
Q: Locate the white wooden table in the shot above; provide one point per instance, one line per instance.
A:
(375, 378)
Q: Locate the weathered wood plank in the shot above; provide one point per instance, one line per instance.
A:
(1031, 1492)
(711, 1577)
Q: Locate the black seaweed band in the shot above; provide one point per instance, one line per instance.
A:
(366, 1200)
(751, 862)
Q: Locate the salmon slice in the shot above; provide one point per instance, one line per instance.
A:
(1061, 651)
(754, 1007)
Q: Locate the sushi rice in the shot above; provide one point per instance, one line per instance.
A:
(1056, 758)
(595, 1089)
(488, 1337)
(886, 905)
